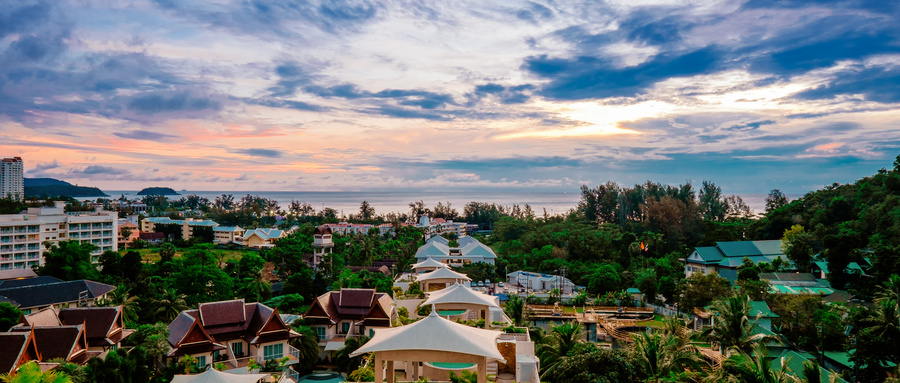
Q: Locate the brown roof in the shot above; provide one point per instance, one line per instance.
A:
(45, 317)
(355, 298)
(57, 342)
(14, 350)
(99, 321)
(349, 304)
(179, 327)
(225, 312)
(322, 230)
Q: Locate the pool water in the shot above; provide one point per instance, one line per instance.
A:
(322, 377)
(451, 366)
(444, 313)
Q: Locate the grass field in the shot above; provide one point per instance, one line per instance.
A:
(152, 254)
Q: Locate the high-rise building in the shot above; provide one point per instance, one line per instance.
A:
(12, 180)
(22, 235)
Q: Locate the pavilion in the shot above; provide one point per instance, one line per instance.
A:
(439, 279)
(211, 375)
(432, 339)
(462, 297)
(427, 265)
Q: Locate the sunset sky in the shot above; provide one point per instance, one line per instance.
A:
(463, 95)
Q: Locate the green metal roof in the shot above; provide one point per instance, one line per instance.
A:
(794, 362)
(760, 307)
(769, 247)
(709, 254)
(633, 290)
(738, 249)
(822, 265)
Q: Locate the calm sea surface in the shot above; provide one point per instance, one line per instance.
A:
(384, 202)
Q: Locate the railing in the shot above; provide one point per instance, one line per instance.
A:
(293, 352)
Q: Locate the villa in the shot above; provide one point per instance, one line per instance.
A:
(231, 332)
(337, 315)
(725, 257)
(467, 251)
(104, 327)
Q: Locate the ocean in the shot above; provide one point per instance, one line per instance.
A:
(386, 202)
(398, 201)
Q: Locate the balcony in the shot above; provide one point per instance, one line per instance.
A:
(243, 360)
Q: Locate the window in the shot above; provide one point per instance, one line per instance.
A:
(201, 361)
(345, 327)
(237, 348)
(371, 332)
(273, 351)
(320, 332)
(215, 355)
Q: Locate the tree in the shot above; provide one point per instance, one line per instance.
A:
(775, 200)
(166, 252)
(604, 279)
(31, 372)
(798, 246)
(712, 205)
(589, 363)
(754, 367)
(732, 328)
(308, 347)
(515, 310)
(169, 306)
(256, 288)
(554, 347)
(366, 211)
(342, 358)
(700, 289)
(663, 354)
(69, 261)
(9, 316)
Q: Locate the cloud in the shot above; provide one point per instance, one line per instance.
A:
(143, 135)
(167, 103)
(268, 153)
(879, 84)
(98, 170)
(43, 166)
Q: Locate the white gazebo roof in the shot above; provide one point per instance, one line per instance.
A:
(434, 333)
(459, 293)
(430, 262)
(442, 273)
(213, 376)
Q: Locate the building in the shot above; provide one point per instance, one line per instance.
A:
(439, 226)
(337, 315)
(57, 343)
(466, 250)
(149, 225)
(537, 282)
(265, 238)
(726, 257)
(322, 245)
(344, 228)
(22, 235)
(133, 233)
(225, 235)
(233, 333)
(33, 294)
(12, 180)
(104, 327)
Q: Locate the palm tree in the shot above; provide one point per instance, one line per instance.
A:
(732, 327)
(555, 346)
(256, 288)
(753, 367)
(342, 358)
(308, 347)
(170, 306)
(515, 310)
(884, 323)
(31, 373)
(121, 297)
(662, 354)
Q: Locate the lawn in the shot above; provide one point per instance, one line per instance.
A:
(152, 254)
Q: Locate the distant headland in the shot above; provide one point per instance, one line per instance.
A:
(158, 191)
(50, 187)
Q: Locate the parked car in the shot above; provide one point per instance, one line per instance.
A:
(500, 284)
(480, 284)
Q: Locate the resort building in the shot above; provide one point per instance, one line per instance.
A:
(439, 226)
(18, 349)
(103, 327)
(440, 278)
(726, 257)
(133, 234)
(344, 228)
(149, 225)
(50, 344)
(233, 333)
(537, 282)
(461, 302)
(337, 315)
(33, 294)
(22, 235)
(12, 180)
(265, 238)
(433, 346)
(466, 250)
(322, 245)
(427, 265)
(225, 235)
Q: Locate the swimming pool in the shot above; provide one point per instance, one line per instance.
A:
(322, 377)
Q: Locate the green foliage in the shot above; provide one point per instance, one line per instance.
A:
(342, 358)
(9, 316)
(605, 278)
(69, 261)
(464, 376)
(701, 289)
(363, 279)
(596, 365)
(287, 304)
(31, 372)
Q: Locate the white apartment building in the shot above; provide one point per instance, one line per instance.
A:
(22, 235)
(12, 181)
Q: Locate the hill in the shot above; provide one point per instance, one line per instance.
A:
(49, 187)
(157, 191)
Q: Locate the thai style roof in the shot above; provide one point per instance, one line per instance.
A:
(18, 348)
(442, 273)
(461, 294)
(434, 333)
(429, 262)
(44, 317)
(68, 343)
(221, 321)
(105, 326)
(353, 304)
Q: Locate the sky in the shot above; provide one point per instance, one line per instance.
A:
(356, 95)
